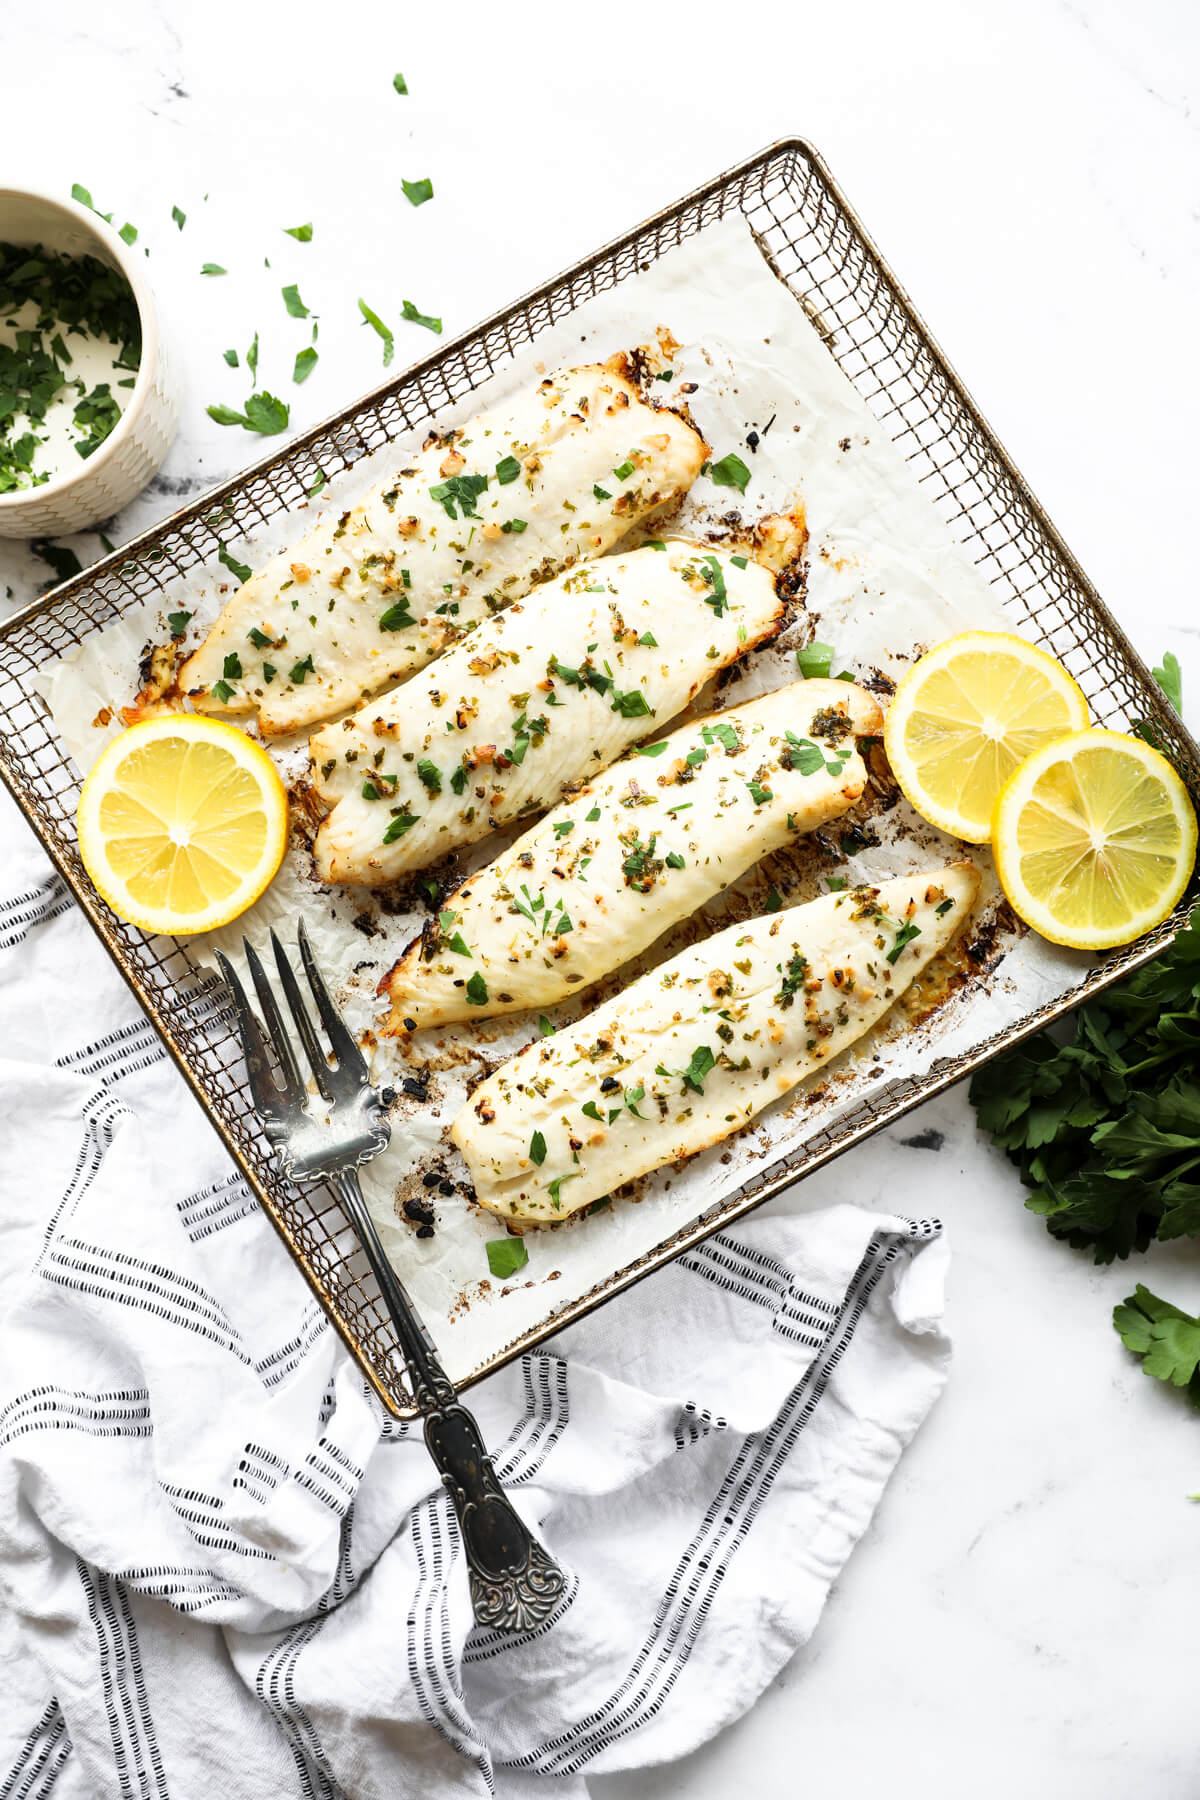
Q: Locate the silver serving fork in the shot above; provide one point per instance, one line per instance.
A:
(514, 1583)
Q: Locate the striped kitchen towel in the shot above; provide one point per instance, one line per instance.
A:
(226, 1572)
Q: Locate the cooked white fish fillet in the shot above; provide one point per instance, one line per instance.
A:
(692, 1051)
(644, 845)
(538, 698)
(466, 526)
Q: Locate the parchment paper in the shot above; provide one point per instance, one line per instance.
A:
(886, 580)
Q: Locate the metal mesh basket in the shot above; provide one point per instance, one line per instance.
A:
(817, 246)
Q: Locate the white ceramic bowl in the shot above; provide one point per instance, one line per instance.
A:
(135, 450)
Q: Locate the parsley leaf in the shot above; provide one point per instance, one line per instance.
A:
(507, 469)
(306, 362)
(301, 233)
(264, 414)
(731, 471)
(418, 192)
(212, 269)
(397, 618)
(241, 570)
(178, 622)
(599, 492)
(907, 932)
(293, 302)
(477, 992)
(373, 319)
(397, 826)
(537, 1149)
(179, 217)
(299, 670)
(408, 311)
(1166, 1339)
(461, 489)
(1170, 679)
(430, 775)
(507, 1254)
(815, 661)
(399, 83)
(231, 357)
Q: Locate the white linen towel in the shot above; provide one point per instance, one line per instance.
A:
(227, 1573)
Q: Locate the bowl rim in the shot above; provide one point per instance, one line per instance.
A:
(119, 253)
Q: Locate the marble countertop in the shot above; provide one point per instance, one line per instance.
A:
(1015, 1617)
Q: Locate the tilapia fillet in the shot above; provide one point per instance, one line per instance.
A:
(535, 700)
(641, 847)
(464, 527)
(692, 1051)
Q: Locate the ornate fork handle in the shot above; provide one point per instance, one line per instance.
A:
(514, 1583)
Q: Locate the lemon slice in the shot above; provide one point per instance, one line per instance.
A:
(183, 822)
(1094, 839)
(964, 717)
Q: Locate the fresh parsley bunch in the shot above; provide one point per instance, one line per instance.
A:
(1105, 1128)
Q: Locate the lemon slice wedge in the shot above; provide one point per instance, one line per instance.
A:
(1094, 839)
(183, 822)
(966, 715)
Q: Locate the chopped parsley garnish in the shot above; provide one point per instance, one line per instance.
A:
(774, 899)
(212, 269)
(418, 192)
(715, 577)
(591, 1111)
(178, 621)
(232, 670)
(624, 472)
(517, 525)
(507, 1254)
(231, 357)
(556, 1186)
(943, 909)
(758, 793)
(458, 780)
(731, 472)
(904, 936)
(641, 866)
(401, 87)
(802, 755)
(631, 705)
(814, 661)
(240, 569)
(793, 980)
(305, 363)
(62, 560)
(648, 640)
(653, 749)
(179, 217)
(409, 311)
(507, 469)
(835, 883)
(95, 414)
(397, 618)
(397, 826)
(430, 775)
(724, 734)
(299, 670)
(593, 816)
(373, 319)
(703, 1062)
(655, 544)
(264, 414)
(544, 1026)
(477, 993)
(293, 302)
(463, 489)
(321, 481)
(537, 1149)
(562, 827)
(599, 492)
(268, 671)
(674, 860)
(301, 233)
(739, 562)
(222, 691)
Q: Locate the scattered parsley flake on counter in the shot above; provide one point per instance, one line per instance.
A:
(507, 469)
(231, 357)
(239, 569)
(397, 826)
(409, 311)
(301, 233)
(1166, 1339)
(212, 269)
(80, 193)
(418, 192)
(264, 414)
(300, 670)
(179, 217)
(306, 362)
(252, 357)
(477, 993)
(399, 83)
(507, 1254)
(376, 323)
(730, 472)
(128, 233)
(814, 661)
(178, 622)
(293, 302)
(905, 935)
(62, 560)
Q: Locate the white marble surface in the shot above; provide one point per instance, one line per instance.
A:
(1020, 1616)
